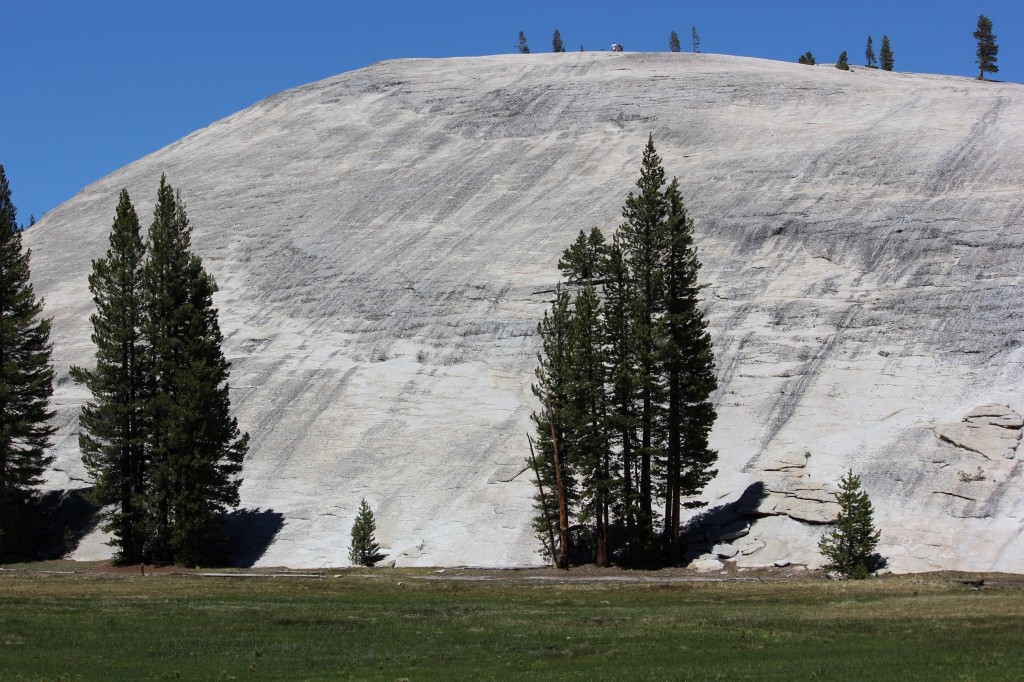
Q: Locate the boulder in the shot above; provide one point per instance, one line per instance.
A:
(707, 565)
(725, 551)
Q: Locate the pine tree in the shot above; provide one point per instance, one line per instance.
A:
(842, 64)
(194, 441)
(587, 447)
(987, 48)
(625, 376)
(364, 550)
(643, 240)
(620, 379)
(523, 47)
(885, 54)
(584, 260)
(807, 58)
(850, 545)
(688, 365)
(869, 56)
(673, 42)
(26, 381)
(556, 42)
(552, 390)
(113, 423)
(696, 39)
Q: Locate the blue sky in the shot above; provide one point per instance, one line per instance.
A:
(90, 85)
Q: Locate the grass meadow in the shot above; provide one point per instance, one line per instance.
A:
(395, 624)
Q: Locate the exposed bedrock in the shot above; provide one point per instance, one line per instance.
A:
(382, 241)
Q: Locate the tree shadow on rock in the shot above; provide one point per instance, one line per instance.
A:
(58, 520)
(723, 523)
(249, 533)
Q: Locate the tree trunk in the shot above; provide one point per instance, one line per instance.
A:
(543, 504)
(563, 512)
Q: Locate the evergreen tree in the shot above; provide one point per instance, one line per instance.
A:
(625, 378)
(552, 390)
(850, 545)
(885, 54)
(673, 42)
(364, 550)
(112, 440)
(807, 58)
(987, 48)
(194, 442)
(688, 365)
(620, 379)
(696, 39)
(869, 56)
(584, 260)
(643, 241)
(523, 47)
(842, 64)
(26, 381)
(587, 447)
(556, 42)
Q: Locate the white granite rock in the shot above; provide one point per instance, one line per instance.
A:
(385, 241)
(725, 551)
(707, 565)
(990, 430)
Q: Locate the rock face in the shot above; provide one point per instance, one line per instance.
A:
(383, 241)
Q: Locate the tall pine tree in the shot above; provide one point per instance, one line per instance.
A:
(628, 370)
(688, 365)
(195, 445)
(643, 241)
(869, 55)
(113, 422)
(26, 381)
(552, 391)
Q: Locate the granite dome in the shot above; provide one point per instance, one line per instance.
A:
(384, 241)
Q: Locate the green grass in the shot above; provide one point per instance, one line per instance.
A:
(366, 626)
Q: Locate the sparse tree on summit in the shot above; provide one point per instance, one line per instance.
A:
(987, 48)
(26, 381)
(696, 39)
(885, 54)
(842, 64)
(523, 47)
(556, 42)
(673, 42)
(869, 56)
(807, 58)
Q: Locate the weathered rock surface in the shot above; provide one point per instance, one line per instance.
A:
(990, 430)
(382, 241)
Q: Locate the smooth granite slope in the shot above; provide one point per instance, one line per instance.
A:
(384, 242)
